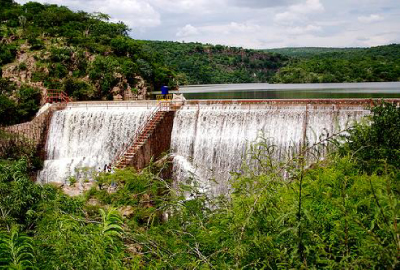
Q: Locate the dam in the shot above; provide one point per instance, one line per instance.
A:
(208, 139)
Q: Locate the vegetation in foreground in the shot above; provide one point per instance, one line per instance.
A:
(341, 213)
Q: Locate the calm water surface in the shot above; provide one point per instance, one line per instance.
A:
(291, 91)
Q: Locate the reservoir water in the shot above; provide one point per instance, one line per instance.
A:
(291, 91)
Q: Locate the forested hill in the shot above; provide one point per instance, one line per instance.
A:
(327, 65)
(198, 63)
(309, 51)
(51, 47)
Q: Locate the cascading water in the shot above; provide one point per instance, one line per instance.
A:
(87, 138)
(210, 141)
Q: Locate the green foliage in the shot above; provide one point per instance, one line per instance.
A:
(377, 144)
(7, 110)
(23, 108)
(343, 65)
(73, 242)
(330, 216)
(145, 193)
(36, 44)
(7, 53)
(103, 70)
(205, 64)
(16, 251)
(347, 221)
(79, 90)
(19, 195)
(309, 51)
(28, 103)
(67, 43)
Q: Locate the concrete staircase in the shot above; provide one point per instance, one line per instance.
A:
(141, 136)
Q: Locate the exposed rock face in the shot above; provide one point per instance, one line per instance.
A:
(123, 90)
(27, 63)
(21, 70)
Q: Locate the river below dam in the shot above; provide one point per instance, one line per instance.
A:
(291, 91)
(209, 141)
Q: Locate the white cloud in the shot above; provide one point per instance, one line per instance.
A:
(310, 6)
(187, 6)
(262, 3)
(370, 19)
(301, 30)
(254, 23)
(187, 30)
(297, 13)
(232, 28)
(247, 27)
(137, 14)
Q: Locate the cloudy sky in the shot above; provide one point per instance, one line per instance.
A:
(254, 23)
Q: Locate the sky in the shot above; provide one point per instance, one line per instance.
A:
(257, 24)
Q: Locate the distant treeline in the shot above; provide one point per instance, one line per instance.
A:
(198, 63)
(87, 56)
(328, 65)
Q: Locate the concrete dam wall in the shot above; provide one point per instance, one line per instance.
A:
(207, 139)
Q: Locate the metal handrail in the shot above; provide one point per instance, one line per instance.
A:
(57, 94)
(139, 131)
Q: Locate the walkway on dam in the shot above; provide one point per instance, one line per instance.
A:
(153, 103)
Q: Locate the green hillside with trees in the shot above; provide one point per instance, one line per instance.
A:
(46, 46)
(51, 47)
(317, 65)
(310, 51)
(197, 63)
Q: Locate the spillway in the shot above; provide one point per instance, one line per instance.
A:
(83, 140)
(210, 142)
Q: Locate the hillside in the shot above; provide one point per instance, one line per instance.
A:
(376, 64)
(51, 47)
(198, 63)
(309, 51)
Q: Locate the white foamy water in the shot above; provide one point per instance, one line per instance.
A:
(210, 141)
(87, 138)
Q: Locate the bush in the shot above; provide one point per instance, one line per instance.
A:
(8, 110)
(28, 103)
(376, 143)
(36, 44)
(78, 89)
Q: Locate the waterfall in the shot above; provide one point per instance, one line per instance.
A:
(210, 141)
(82, 140)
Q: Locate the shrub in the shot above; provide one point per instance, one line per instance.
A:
(378, 142)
